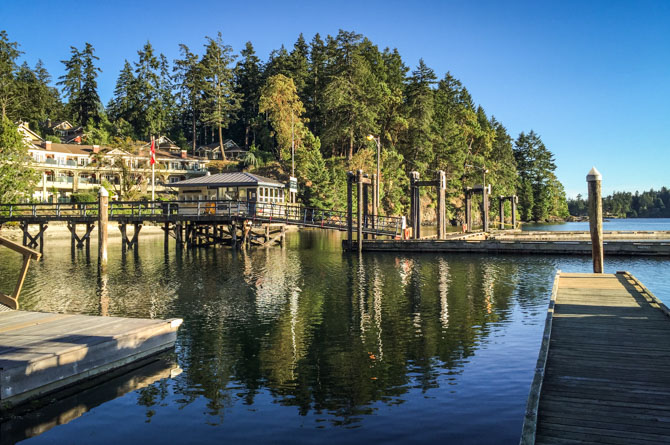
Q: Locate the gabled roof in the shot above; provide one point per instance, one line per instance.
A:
(29, 136)
(234, 179)
(228, 145)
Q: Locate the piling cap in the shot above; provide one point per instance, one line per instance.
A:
(594, 175)
(103, 192)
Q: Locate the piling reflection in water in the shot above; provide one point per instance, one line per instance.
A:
(336, 336)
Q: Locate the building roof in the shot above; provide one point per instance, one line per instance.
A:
(87, 150)
(228, 145)
(234, 179)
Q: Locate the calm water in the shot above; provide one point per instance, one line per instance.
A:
(310, 344)
(608, 224)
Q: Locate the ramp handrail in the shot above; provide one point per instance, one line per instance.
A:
(12, 301)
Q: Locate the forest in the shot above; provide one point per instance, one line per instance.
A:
(648, 204)
(327, 96)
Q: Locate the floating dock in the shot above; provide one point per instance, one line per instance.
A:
(516, 246)
(43, 352)
(602, 372)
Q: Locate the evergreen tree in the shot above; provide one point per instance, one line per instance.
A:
(123, 105)
(416, 145)
(9, 52)
(221, 100)
(535, 165)
(248, 80)
(17, 178)
(80, 85)
(189, 82)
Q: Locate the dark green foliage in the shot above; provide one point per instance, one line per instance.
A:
(80, 86)
(84, 197)
(347, 89)
(541, 196)
(648, 204)
(17, 178)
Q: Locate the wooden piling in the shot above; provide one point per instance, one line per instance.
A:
(366, 203)
(486, 190)
(350, 210)
(501, 211)
(468, 210)
(103, 217)
(441, 205)
(375, 209)
(594, 179)
(415, 205)
(515, 200)
(359, 207)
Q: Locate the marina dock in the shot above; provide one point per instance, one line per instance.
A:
(657, 247)
(602, 372)
(43, 352)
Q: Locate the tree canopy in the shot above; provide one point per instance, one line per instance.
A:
(329, 93)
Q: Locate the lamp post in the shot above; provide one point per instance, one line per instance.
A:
(379, 174)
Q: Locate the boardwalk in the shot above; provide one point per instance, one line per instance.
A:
(604, 366)
(469, 244)
(41, 352)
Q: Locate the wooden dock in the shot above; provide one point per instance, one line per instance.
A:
(603, 372)
(42, 352)
(527, 246)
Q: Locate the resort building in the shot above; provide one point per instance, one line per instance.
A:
(70, 168)
(213, 150)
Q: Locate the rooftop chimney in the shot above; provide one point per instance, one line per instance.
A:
(47, 145)
(96, 149)
(183, 154)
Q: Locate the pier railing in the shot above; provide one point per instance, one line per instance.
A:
(200, 210)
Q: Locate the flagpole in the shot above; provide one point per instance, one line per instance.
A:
(153, 173)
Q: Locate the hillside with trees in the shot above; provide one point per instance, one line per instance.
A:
(324, 96)
(648, 204)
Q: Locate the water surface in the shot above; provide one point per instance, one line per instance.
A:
(308, 344)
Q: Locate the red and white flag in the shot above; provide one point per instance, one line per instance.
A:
(153, 151)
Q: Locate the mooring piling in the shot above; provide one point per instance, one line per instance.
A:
(594, 179)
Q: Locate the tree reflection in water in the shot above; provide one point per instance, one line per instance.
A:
(335, 335)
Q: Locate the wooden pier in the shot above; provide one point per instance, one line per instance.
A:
(602, 372)
(42, 352)
(470, 244)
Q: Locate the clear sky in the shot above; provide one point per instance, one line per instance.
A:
(591, 77)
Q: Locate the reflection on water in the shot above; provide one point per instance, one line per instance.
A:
(309, 343)
(71, 403)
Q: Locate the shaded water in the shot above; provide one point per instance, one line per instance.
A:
(308, 343)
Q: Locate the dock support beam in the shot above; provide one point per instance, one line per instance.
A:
(350, 210)
(415, 205)
(501, 212)
(103, 218)
(594, 179)
(366, 202)
(486, 190)
(468, 210)
(515, 200)
(359, 208)
(441, 205)
(375, 204)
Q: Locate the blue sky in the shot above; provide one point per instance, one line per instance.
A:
(591, 77)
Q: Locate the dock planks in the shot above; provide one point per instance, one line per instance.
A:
(602, 374)
(42, 352)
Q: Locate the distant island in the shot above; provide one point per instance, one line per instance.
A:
(648, 204)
